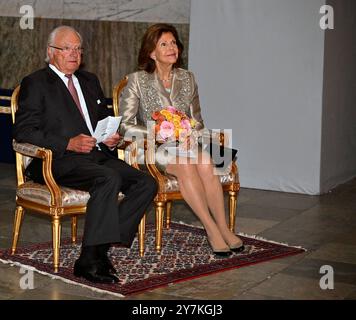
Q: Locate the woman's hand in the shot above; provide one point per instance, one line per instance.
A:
(190, 142)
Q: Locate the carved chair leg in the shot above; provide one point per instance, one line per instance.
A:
(141, 235)
(232, 210)
(168, 214)
(17, 225)
(56, 239)
(74, 228)
(160, 206)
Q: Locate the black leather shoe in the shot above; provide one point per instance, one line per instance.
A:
(102, 251)
(107, 265)
(94, 272)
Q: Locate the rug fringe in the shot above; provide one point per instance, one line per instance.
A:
(253, 236)
(187, 224)
(52, 276)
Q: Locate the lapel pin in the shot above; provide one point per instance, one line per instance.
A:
(98, 101)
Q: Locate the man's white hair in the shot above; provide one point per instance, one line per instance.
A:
(52, 36)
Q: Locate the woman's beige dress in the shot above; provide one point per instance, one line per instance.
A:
(145, 93)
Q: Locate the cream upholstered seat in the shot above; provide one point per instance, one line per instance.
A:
(168, 185)
(49, 198)
(37, 192)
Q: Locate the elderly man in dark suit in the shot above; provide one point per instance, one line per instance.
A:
(59, 107)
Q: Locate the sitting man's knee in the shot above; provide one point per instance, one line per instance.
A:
(111, 177)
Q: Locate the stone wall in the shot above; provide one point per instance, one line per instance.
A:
(111, 30)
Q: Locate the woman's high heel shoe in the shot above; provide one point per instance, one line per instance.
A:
(238, 247)
(221, 253)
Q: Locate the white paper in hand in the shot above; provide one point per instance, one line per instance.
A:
(106, 128)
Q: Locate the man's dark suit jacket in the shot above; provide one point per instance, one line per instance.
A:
(48, 116)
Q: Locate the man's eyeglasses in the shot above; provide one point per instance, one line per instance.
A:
(69, 49)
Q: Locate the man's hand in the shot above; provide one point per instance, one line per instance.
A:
(81, 143)
(112, 141)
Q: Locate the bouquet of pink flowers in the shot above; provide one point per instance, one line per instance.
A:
(173, 124)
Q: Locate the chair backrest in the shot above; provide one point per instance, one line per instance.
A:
(6, 154)
(116, 106)
(5, 97)
(117, 93)
(21, 161)
(14, 104)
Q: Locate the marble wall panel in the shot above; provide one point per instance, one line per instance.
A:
(42, 8)
(47, 9)
(107, 10)
(154, 11)
(110, 48)
(79, 9)
(172, 11)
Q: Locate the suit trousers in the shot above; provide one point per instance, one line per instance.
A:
(108, 220)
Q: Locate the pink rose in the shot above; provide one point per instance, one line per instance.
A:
(171, 109)
(166, 130)
(185, 124)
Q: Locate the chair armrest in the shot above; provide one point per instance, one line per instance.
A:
(208, 136)
(27, 149)
(151, 166)
(30, 150)
(157, 175)
(132, 153)
(124, 144)
(122, 147)
(221, 137)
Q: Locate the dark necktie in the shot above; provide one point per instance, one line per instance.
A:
(74, 93)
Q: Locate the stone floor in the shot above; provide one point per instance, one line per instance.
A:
(324, 225)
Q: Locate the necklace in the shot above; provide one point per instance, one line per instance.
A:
(169, 79)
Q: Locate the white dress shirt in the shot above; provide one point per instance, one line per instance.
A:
(80, 95)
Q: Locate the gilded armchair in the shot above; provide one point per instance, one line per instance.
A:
(49, 199)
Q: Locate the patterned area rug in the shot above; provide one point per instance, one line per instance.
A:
(186, 254)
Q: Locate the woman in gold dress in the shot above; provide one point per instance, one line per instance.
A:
(160, 83)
